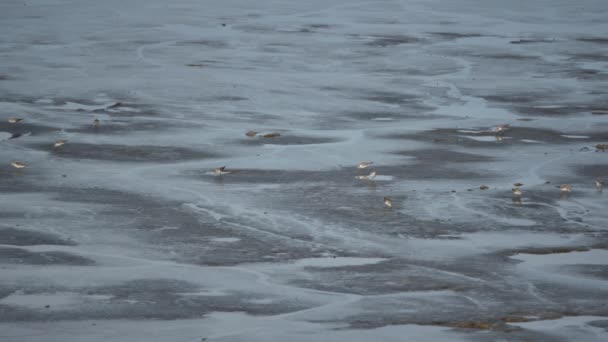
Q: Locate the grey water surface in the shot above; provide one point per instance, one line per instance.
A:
(125, 234)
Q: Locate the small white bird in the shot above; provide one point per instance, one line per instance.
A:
(500, 128)
(220, 171)
(363, 165)
(371, 176)
(516, 191)
(18, 165)
(14, 120)
(599, 184)
(60, 142)
(388, 202)
(565, 188)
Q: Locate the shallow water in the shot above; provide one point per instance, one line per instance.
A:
(126, 226)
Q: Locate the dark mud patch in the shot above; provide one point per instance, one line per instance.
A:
(22, 237)
(532, 41)
(586, 74)
(595, 171)
(124, 153)
(387, 277)
(518, 98)
(215, 44)
(509, 56)
(392, 98)
(546, 250)
(455, 35)
(512, 137)
(25, 127)
(392, 40)
(593, 271)
(594, 57)
(562, 110)
(595, 40)
(9, 255)
(228, 98)
(439, 156)
(286, 139)
(122, 126)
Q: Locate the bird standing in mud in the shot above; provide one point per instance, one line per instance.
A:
(516, 192)
(564, 188)
(599, 184)
(388, 202)
(363, 165)
(220, 171)
(59, 143)
(501, 128)
(14, 120)
(251, 133)
(17, 164)
(371, 176)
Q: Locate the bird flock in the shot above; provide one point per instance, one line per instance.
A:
(58, 143)
(388, 201)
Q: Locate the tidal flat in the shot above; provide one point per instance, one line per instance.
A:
(124, 233)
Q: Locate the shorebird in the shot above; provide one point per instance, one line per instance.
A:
(564, 188)
(251, 133)
(484, 187)
(363, 165)
(371, 176)
(388, 202)
(14, 120)
(18, 165)
(599, 184)
(600, 147)
(271, 135)
(60, 142)
(516, 192)
(500, 128)
(96, 122)
(220, 171)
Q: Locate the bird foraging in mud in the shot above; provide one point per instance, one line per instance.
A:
(59, 143)
(564, 188)
(220, 171)
(388, 202)
(599, 184)
(251, 133)
(371, 176)
(516, 192)
(17, 164)
(484, 187)
(501, 128)
(600, 147)
(14, 120)
(363, 165)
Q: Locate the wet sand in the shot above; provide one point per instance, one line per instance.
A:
(125, 234)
